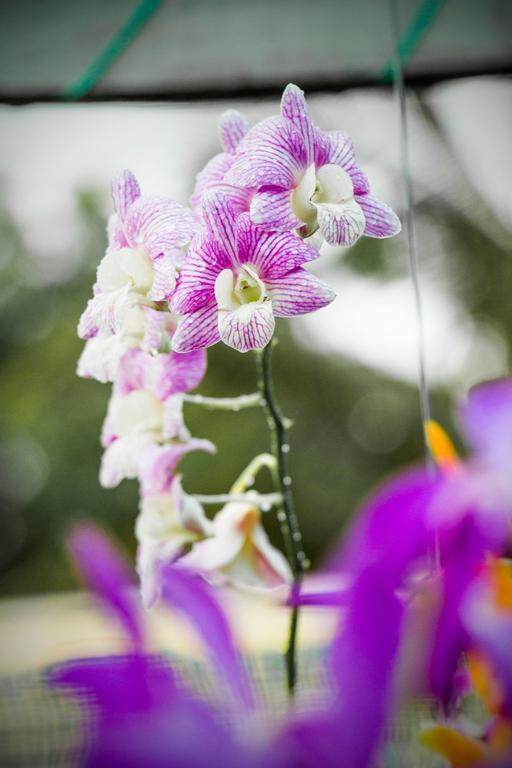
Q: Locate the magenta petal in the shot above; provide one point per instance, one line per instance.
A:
(380, 219)
(197, 330)
(232, 128)
(213, 173)
(125, 190)
(341, 224)
(159, 462)
(249, 327)
(271, 208)
(272, 153)
(196, 283)
(133, 371)
(363, 659)
(159, 223)
(180, 372)
(335, 148)
(273, 253)
(294, 108)
(164, 276)
(486, 418)
(220, 217)
(115, 234)
(297, 293)
(190, 595)
(107, 574)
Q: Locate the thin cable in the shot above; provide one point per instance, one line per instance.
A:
(412, 244)
(408, 43)
(114, 48)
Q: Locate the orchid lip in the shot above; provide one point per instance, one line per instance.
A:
(329, 184)
(248, 288)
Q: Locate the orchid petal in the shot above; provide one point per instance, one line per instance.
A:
(121, 459)
(160, 461)
(271, 208)
(486, 418)
(272, 153)
(297, 293)
(232, 128)
(220, 215)
(294, 108)
(191, 596)
(180, 372)
(159, 224)
(250, 326)
(125, 190)
(196, 283)
(107, 574)
(197, 330)
(380, 219)
(341, 223)
(164, 276)
(273, 253)
(105, 312)
(115, 234)
(213, 173)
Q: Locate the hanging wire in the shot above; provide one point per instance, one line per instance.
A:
(412, 245)
(114, 48)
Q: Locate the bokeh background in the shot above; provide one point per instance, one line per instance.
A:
(347, 376)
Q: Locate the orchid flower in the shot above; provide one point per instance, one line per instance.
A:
(146, 236)
(487, 615)
(146, 409)
(307, 180)
(168, 522)
(236, 278)
(238, 551)
(232, 128)
(144, 718)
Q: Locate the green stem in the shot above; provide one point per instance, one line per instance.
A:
(225, 403)
(286, 515)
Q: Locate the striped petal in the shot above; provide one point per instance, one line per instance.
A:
(220, 214)
(125, 191)
(159, 463)
(273, 253)
(180, 372)
(298, 293)
(159, 224)
(196, 283)
(250, 326)
(271, 208)
(197, 330)
(164, 276)
(341, 223)
(232, 128)
(273, 153)
(213, 173)
(380, 219)
(294, 108)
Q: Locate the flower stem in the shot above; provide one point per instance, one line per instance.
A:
(225, 403)
(286, 514)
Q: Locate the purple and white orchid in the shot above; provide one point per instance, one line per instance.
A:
(146, 410)
(306, 179)
(232, 128)
(146, 237)
(237, 278)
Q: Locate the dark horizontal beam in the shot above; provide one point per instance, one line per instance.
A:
(264, 91)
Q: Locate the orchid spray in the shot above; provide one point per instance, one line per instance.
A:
(176, 280)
